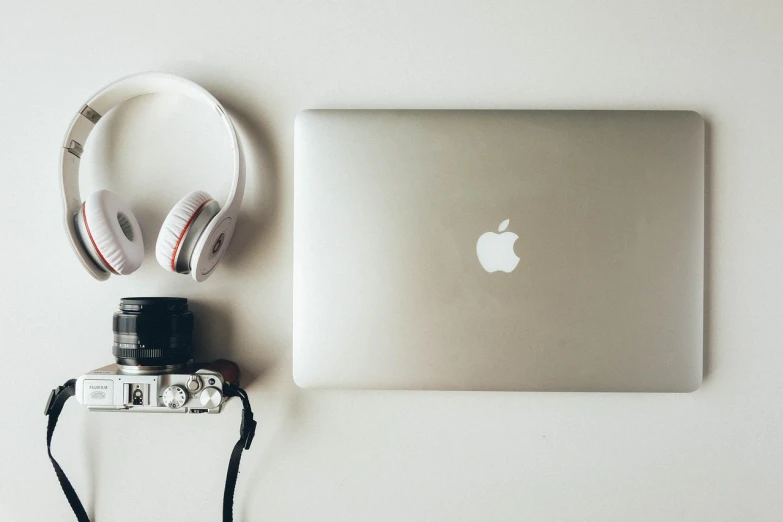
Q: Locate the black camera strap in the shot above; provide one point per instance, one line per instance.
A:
(53, 408)
(247, 431)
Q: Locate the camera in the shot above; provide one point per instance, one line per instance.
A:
(154, 372)
(154, 369)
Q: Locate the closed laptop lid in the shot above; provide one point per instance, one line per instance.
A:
(499, 250)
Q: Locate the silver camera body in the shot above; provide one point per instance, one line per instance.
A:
(182, 389)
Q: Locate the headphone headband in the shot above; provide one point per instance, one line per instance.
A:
(101, 103)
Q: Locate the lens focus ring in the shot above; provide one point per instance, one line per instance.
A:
(151, 331)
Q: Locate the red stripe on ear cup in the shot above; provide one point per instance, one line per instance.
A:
(182, 235)
(87, 227)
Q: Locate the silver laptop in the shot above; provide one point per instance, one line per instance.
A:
(499, 250)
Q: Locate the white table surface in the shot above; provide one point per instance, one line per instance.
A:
(378, 456)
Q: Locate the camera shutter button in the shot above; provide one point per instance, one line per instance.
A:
(194, 383)
(211, 397)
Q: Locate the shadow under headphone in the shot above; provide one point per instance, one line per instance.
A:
(102, 229)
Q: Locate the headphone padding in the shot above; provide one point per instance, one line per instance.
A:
(107, 218)
(176, 225)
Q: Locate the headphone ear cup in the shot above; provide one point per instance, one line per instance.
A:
(112, 231)
(179, 226)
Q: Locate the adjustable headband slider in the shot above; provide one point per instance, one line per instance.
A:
(75, 148)
(80, 128)
(90, 113)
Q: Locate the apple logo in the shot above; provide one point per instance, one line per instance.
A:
(496, 251)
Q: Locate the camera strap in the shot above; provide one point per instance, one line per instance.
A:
(53, 408)
(247, 430)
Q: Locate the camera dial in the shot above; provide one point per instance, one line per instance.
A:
(210, 397)
(174, 397)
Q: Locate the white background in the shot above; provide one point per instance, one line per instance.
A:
(716, 454)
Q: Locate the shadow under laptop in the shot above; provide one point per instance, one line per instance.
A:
(708, 246)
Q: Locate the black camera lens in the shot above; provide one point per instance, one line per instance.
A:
(153, 331)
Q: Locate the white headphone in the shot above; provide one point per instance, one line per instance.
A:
(104, 232)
